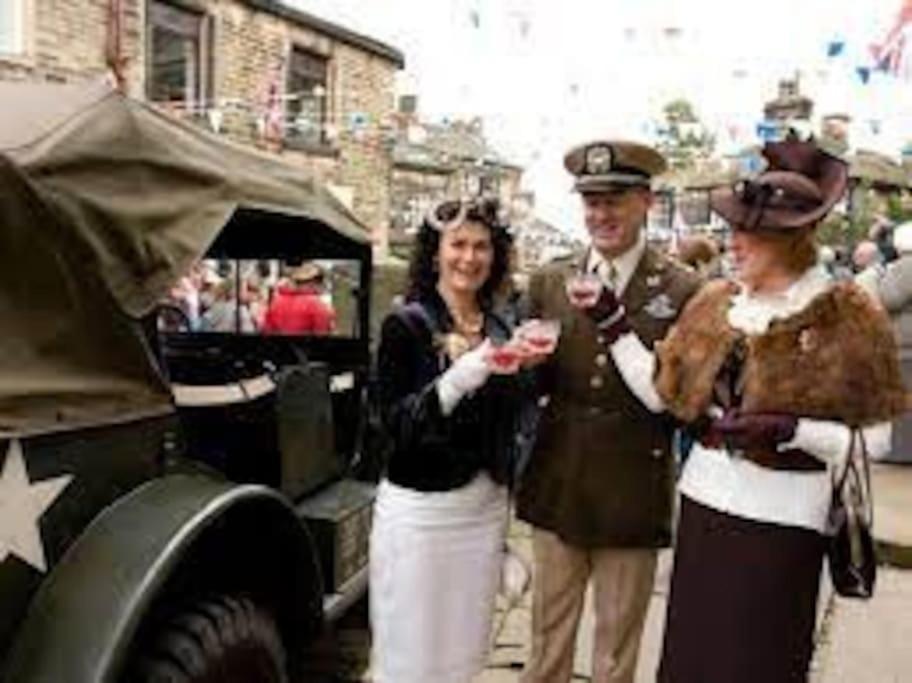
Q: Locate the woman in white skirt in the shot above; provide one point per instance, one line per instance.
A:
(450, 396)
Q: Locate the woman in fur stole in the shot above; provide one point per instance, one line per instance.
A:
(772, 372)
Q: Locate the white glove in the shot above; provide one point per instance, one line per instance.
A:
(829, 441)
(467, 374)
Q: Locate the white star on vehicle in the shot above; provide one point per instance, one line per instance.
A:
(22, 504)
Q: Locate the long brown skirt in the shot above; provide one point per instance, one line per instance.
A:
(743, 600)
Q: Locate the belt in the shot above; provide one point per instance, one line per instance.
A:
(793, 459)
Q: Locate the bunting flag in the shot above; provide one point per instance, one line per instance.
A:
(767, 130)
(864, 73)
(890, 54)
(273, 121)
(835, 48)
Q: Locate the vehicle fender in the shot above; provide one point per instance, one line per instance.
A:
(85, 617)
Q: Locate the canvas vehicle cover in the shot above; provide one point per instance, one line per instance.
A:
(104, 203)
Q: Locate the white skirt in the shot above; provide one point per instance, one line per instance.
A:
(435, 563)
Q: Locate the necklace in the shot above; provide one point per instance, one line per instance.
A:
(466, 335)
(469, 326)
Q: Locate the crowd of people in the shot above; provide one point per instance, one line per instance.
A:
(771, 371)
(266, 298)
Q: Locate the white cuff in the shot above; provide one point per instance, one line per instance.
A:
(447, 394)
(829, 440)
(637, 365)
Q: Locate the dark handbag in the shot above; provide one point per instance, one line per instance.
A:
(851, 553)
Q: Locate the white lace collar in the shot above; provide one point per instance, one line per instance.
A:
(752, 313)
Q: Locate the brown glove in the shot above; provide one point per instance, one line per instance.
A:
(746, 431)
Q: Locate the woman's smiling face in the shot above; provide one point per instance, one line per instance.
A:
(464, 257)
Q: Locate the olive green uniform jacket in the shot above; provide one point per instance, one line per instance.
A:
(602, 472)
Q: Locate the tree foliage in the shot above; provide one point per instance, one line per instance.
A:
(682, 137)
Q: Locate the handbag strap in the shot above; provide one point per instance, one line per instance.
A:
(857, 448)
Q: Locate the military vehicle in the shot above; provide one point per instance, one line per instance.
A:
(176, 503)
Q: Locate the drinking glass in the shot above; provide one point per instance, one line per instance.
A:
(583, 289)
(505, 358)
(540, 336)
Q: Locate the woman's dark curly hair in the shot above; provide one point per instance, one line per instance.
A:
(423, 272)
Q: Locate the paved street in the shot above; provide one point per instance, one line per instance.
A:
(512, 644)
(858, 642)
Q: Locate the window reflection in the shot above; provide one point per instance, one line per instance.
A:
(265, 297)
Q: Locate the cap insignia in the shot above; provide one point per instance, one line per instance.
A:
(599, 160)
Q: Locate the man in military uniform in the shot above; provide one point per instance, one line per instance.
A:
(598, 489)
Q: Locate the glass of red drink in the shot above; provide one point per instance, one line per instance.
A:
(539, 336)
(505, 359)
(583, 289)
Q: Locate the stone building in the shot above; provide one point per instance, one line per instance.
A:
(790, 105)
(433, 161)
(317, 93)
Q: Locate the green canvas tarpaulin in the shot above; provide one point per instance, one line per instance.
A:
(104, 203)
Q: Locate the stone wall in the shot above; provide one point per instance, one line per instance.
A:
(65, 41)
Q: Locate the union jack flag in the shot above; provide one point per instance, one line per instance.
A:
(272, 120)
(891, 54)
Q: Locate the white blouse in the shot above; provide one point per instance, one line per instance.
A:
(716, 479)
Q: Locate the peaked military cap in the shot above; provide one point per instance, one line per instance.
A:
(606, 165)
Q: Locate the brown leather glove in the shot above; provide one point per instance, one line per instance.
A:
(609, 316)
(746, 431)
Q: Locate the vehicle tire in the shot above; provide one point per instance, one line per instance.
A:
(223, 640)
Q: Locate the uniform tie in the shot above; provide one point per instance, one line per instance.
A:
(609, 274)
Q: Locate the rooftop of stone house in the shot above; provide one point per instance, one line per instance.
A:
(878, 169)
(447, 145)
(864, 166)
(713, 173)
(340, 33)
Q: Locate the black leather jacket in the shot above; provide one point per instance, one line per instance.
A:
(431, 451)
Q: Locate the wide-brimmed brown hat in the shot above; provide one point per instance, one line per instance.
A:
(800, 185)
(612, 165)
(306, 272)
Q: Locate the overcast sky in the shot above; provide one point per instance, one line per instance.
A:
(546, 74)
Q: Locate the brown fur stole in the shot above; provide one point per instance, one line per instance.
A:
(836, 359)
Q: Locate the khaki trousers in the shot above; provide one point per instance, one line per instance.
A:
(622, 581)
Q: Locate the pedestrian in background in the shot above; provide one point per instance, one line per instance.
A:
(451, 409)
(598, 488)
(701, 253)
(297, 306)
(773, 371)
(891, 285)
(866, 254)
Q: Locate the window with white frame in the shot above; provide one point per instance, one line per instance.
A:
(178, 56)
(12, 27)
(307, 95)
